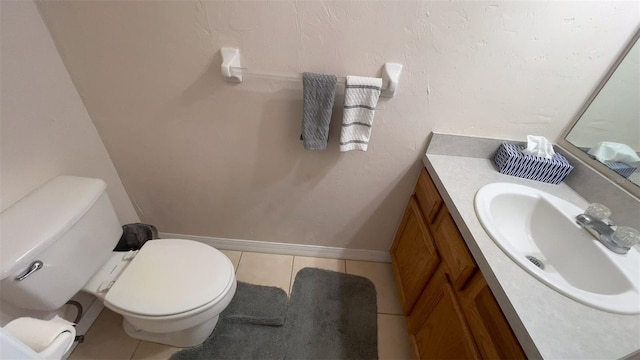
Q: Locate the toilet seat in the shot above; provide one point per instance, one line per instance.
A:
(171, 278)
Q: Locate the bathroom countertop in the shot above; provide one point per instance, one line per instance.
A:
(548, 324)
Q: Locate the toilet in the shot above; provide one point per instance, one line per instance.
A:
(58, 240)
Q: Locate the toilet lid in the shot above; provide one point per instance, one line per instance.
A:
(171, 276)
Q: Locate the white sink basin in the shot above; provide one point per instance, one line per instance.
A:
(526, 222)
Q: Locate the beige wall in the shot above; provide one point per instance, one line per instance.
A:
(203, 157)
(45, 129)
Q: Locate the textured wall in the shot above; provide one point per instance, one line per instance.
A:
(202, 157)
(45, 129)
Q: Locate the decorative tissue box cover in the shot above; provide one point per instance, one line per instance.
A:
(621, 168)
(511, 161)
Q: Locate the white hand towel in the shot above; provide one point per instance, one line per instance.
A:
(360, 99)
(39, 334)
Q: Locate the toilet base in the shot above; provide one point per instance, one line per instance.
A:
(184, 338)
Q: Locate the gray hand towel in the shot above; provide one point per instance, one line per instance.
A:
(319, 91)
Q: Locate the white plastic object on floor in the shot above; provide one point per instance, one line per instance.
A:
(13, 348)
(39, 334)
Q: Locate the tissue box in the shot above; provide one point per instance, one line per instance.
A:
(621, 168)
(511, 161)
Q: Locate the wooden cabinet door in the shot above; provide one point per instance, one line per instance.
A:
(453, 249)
(428, 196)
(413, 256)
(490, 328)
(444, 334)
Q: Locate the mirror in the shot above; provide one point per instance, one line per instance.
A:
(606, 134)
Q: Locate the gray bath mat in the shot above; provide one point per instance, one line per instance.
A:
(251, 327)
(330, 316)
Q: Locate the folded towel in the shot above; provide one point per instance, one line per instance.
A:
(319, 91)
(360, 100)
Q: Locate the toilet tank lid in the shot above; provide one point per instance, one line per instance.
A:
(37, 220)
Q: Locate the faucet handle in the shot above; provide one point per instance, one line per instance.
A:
(626, 236)
(598, 211)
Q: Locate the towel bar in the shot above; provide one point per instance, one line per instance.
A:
(233, 72)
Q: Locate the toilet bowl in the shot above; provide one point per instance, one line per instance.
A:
(58, 239)
(171, 291)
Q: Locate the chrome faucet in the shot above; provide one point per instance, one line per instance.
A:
(595, 220)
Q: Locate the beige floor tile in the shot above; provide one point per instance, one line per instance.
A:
(393, 339)
(265, 269)
(300, 262)
(148, 350)
(106, 340)
(234, 256)
(381, 275)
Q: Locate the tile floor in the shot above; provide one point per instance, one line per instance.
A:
(107, 340)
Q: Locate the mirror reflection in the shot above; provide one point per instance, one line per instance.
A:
(609, 130)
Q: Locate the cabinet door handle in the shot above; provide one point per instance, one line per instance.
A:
(35, 266)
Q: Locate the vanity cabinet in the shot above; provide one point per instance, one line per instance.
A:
(414, 255)
(437, 323)
(491, 331)
(451, 312)
(458, 260)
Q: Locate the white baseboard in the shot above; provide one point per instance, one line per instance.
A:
(285, 248)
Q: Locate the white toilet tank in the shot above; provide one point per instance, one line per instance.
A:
(69, 225)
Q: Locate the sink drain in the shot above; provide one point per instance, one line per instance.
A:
(536, 262)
